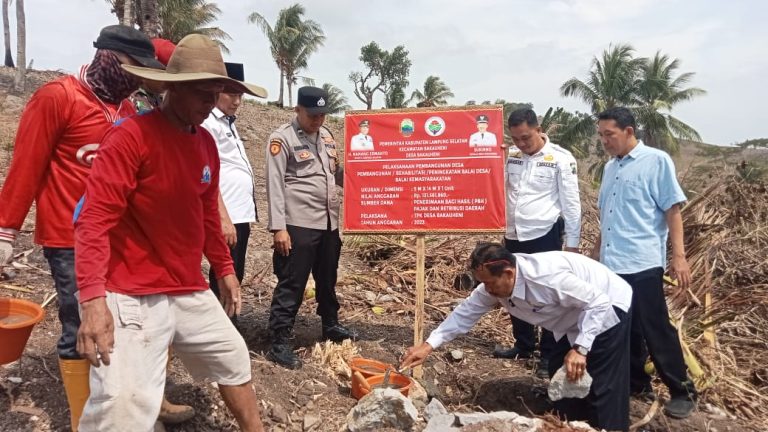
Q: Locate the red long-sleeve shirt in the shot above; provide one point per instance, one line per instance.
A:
(150, 212)
(59, 133)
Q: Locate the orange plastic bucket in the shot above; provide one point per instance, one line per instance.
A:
(368, 367)
(17, 317)
(362, 386)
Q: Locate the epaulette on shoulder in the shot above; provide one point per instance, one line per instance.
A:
(329, 131)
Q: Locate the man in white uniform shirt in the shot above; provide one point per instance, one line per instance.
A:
(482, 138)
(362, 141)
(584, 304)
(237, 205)
(542, 205)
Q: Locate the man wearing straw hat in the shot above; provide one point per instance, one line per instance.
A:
(58, 137)
(150, 212)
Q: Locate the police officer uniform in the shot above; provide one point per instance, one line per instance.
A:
(482, 139)
(303, 173)
(361, 141)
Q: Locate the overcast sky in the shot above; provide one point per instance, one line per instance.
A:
(518, 50)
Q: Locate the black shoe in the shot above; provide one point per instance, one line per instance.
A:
(645, 395)
(338, 333)
(679, 408)
(283, 355)
(511, 353)
(542, 369)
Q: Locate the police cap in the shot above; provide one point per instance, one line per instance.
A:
(364, 123)
(482, 118)
(314, 99)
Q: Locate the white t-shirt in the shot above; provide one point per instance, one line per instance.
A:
(236, 175)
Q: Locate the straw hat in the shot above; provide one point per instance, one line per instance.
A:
(196, 58)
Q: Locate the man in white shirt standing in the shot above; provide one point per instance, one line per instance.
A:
(237, 205)
(362, 141)
(584, 304)
(542, 205)
(482, 138)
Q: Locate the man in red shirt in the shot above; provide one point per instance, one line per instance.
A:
(150, 212)
(56, 143)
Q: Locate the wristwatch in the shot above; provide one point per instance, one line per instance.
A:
(581, 350)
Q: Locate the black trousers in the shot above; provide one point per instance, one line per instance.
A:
(62, 264)
(312, 251)
(238, 253)
(607, 404)
(653, 333)
(525, 333)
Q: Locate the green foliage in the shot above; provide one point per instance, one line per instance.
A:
(571, 131)
(385, 70)
(179, 18)
(336, 102)
(435, 93)
(292, 40)
(647, 86)
(395, 97)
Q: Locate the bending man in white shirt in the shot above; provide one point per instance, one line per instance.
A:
(543, 206)
(584, 304)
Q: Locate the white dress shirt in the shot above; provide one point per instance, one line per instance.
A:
(482, 139)
(236, 175)
(361, 142)
(541, 188)
(564, 292)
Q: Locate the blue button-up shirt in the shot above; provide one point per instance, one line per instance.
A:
(636, 192)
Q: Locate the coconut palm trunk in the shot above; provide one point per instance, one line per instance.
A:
(7, 35)
(21, 45)
(128, 13)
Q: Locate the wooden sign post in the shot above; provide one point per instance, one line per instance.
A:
(418, 322)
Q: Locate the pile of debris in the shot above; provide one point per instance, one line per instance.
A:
(388, 408)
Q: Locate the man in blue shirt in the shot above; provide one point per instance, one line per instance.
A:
(639, 203)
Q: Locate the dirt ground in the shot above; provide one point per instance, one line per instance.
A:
(32, 397)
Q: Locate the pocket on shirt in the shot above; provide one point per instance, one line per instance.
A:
(544, 176)
(633, 191)
(306, 167)
(128, 311)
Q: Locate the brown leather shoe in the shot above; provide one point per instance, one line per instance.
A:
(174, 414)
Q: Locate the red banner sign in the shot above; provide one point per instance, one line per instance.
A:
(424, 170)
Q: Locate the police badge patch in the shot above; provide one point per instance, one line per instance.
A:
(573, 167)
(274, 147)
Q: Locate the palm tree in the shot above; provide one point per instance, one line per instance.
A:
(336, 102)
(395, 97)
(7, 35)
(657, 92)
(292, 40)
(645, 86)
(435, 93)
(179, 18)
(611, 81)
(571, 131)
